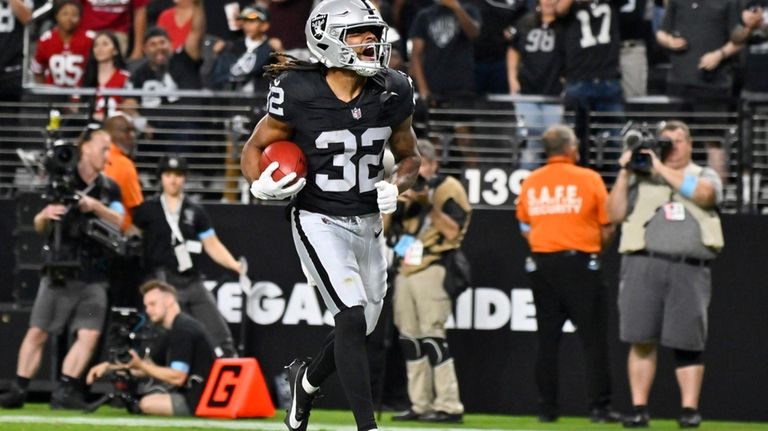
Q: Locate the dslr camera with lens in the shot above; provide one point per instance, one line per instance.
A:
(638, 138)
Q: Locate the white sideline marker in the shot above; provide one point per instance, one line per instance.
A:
(196, 423)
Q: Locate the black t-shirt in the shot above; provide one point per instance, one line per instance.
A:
(190, 349)
(707, 26)
(12, 36)
(343, 142)
(183, 73)
(75, 244)
(448, 53)
(632, 22)
(497, 15)
(591, 40)
(541, 55)
(237, 66)
(194, 223)
(756, 65)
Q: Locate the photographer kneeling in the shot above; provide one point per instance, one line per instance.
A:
(73, 285)
(189, 356)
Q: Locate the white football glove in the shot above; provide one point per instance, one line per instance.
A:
(386, 196)
(265, 188)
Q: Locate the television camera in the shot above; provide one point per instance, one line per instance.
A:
(59, 161)
(638, 138)
(128, 330)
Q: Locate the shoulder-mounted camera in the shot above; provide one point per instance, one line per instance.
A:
(638, 138)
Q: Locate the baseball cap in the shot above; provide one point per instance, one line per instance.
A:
(172, 163)
(254, 12)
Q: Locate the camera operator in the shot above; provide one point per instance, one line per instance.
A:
(176, 231)
(670, 234)
(431, 223)
(188, 358)
(73, 286)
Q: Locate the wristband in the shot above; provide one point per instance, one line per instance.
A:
(689, 186)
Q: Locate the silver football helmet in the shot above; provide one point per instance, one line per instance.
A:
(330, 23)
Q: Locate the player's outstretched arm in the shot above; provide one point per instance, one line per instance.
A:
(267, 131)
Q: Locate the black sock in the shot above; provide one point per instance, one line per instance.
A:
(352, 365)
(640, 408)
(22, 382)
(324, 364)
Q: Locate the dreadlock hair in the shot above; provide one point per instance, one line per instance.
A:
(274, 70)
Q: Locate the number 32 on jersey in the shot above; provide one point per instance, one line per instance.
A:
(354, 173)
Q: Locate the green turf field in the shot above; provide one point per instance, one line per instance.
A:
(38, 417)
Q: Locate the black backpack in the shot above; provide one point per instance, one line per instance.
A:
(458, 273)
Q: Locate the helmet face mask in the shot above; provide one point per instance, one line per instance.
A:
(329, 26)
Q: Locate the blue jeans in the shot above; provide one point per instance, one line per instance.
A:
(491, 78)
(535, 118)
(601, 95)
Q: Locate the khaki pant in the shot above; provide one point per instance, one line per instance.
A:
(421, 308)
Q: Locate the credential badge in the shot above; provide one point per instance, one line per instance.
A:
(318, 25)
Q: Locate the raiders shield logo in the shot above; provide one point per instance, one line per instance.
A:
(318, 25)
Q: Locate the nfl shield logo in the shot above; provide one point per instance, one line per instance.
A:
(357, 113)
(318, 25)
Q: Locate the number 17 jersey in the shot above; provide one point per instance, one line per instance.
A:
(592, 40)
(343, 141)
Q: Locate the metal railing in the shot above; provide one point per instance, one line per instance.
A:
(209, 128)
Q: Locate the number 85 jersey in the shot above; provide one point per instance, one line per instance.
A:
(343, 141)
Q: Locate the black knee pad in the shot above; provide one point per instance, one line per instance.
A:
(687, 358)
(436, 349)
(411, 348)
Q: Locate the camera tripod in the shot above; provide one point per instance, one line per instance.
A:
(124, 387)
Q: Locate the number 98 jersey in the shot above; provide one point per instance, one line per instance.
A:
(343, 141)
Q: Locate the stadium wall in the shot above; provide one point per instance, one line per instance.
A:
(493, 337)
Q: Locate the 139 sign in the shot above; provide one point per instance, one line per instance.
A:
(495, 186)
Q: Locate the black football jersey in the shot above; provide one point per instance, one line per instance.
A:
(343, 141)
(541, 55)
(591, 40)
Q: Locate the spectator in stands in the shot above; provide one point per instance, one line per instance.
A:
(166, 70)
(63, 51)
(291, 15)
(490, 45)
(71, 296)
(697, 37)
(240, 63)
(15, 15)
(753, 31)
(126, 18)
(177, 21)
(670, 234)
(565, 273)
(403, 14)
(535, 67)
(183, 367)
(105, 69)
(430, 223)
(176, 231)
(442, 59)
(591, 45)
(635, 30)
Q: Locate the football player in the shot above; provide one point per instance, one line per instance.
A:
(342, 110)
